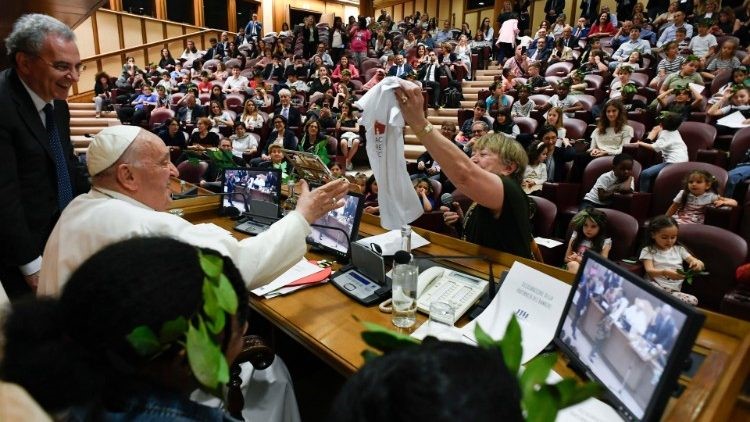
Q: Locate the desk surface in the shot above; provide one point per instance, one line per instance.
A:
(323, 320)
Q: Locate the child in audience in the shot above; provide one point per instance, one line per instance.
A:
(662, 257)
(698, 192)
(567, 103)
(371, 196)
(360, 179)
(738, 78)
(622, 77)
(536, 81)
(336, 170)
(590, 232)
(666, 139)
(735, 99)
(348, 125)
(681, 100)
(522, 106)
(703, 44)
(725, 59)
(425, 194)
(536, 172)
(618, 180)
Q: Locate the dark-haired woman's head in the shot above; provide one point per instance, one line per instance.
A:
(75, 350)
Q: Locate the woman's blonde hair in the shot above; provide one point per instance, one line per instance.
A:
(509, 151)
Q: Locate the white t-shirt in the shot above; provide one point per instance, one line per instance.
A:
(701, 45)
(536, 173)
(385, 150)
(670, 259)
(606, 181)
(236, 85)
(240, 145)
(694, 211)
(671, 146)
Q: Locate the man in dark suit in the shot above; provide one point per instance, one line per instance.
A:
(285, 109)
(216, 51)
(191, 111)
(38, 176)
(400, 67)
(430, 75)
(552, 9)
(568, 39)
(661, 332)
(254, 29)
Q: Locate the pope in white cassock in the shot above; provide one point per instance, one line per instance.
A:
(130, 171)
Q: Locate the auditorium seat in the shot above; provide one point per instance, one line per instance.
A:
(159, 116)
(575, 128)
(561, 69)
(192, 173)
(697, 136)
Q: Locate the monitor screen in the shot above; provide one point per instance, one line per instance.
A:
(628, 335)
(345, 218)
(251, 184)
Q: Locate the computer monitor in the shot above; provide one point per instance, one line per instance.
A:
(328, 231)
(257, 186)
(628, 335)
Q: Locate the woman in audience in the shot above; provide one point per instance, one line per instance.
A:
(348, 128)
(221, 73)
(542, 25)
(203, 137)
(603, 27)
(612, 132)
(87, 354)
(345, 64)
(315, 141)
(486, 29)
(250, 116)
(463, 54)
(243, 143)
(218, 96)
(219, 117)
(191, 53)
(359, 37)
(371, 196)
(173, 135)
(166, 62)
(419, 59)
(491, 178)
(102, 92)
(338, 39)
(504, 123)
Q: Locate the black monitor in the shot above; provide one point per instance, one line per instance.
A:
(328, 231)
(259, 185)
(629, 336)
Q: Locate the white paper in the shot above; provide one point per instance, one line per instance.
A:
(696, 87)
(390, 242)
(734, 120)
(301, 269)
(286, 290)
(443, 332)
(548, 243)
(537, 300)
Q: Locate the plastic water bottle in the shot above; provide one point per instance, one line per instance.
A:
(404, 290)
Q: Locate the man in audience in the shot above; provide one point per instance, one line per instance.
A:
(540, 53)
(130, 172)
(668, 34)
(38, 176)
(445, 34)
(567, 37)
(635, 43)
(286, 109)
(430, 75)
(400, 67)
(236, 84)
(548, 42)
(480, 110)
(323, 54)
(191, 111)
(216, 51)
(622, 35)
(253, 29)
(582, 29)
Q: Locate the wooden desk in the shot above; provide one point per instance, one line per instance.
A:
(321, 319)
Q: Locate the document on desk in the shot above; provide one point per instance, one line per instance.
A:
(301, 269)
(535, 298)
(390, 242)
(735, 120)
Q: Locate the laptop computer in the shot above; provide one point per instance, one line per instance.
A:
(259, 190)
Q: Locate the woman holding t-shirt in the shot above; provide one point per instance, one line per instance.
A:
(499, 216)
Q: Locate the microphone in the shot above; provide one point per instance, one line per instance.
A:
(447, 199)
(230, 211)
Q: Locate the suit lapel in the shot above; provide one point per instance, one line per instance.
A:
(28, 113)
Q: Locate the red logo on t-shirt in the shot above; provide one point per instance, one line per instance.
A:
(379, 128)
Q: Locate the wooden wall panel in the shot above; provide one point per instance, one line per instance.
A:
(409, 8)
(472, 19)
(154, 54)
(176, 48)
(398, 13)
(154, 31)
(173, 31)
(131, 27)
(111, 65)
(108, 38)
(432, 8)
(444, 12)
(458, 11)
(85, 38)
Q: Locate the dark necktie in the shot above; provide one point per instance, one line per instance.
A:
(64, 187)
(429, 73)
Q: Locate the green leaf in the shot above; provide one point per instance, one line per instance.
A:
(385, 340)
(226, 296)
(369, 354)
(536, 372)
(565, 389)
(484, 340)
(511, 346)
(144, 341)
(216, 324)
(211, 265)
(580, 393)
(205, 356)
(540, 406)
(172, 330)
(210, 302)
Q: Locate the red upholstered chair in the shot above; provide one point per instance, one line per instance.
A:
(543, 225)
(738, 147)
(464, 114)
(192, 173)
(722, 251)
(639, 79)
(204, 98)
(234, 102)
(623, 229)
(593, 80)
(539, 99)
(587, 101)
(526, 124)
(232, 63)
(559, 69)
(697, 136)
(159, 116)
(211, 65)
(575, 128)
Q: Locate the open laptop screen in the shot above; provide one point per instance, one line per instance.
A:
(251, 184)
(345, 218)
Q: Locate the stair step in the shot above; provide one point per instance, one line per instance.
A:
(488, 78)
(93, 121)
(409, 131)
(83, 130)
(412, 152)
(483, 84)
(80, 141)
(438, 120)
(468, 103)
(491, 71)
(447, 112)
(81, 106)
(472, 90)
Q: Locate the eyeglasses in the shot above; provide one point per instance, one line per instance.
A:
(478, 131)
(64, 67)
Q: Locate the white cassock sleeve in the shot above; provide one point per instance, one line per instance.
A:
(382, 117)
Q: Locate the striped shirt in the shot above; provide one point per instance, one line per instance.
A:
(671, 66)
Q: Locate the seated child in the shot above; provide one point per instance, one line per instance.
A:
(663, 256)
(618, 180)
(590, 232)
(425, 194)
(698, 192)
(666, 140)
(536, 172)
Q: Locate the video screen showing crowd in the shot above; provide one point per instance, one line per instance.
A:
(243, 184)
(624, 335)
(337, 222)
